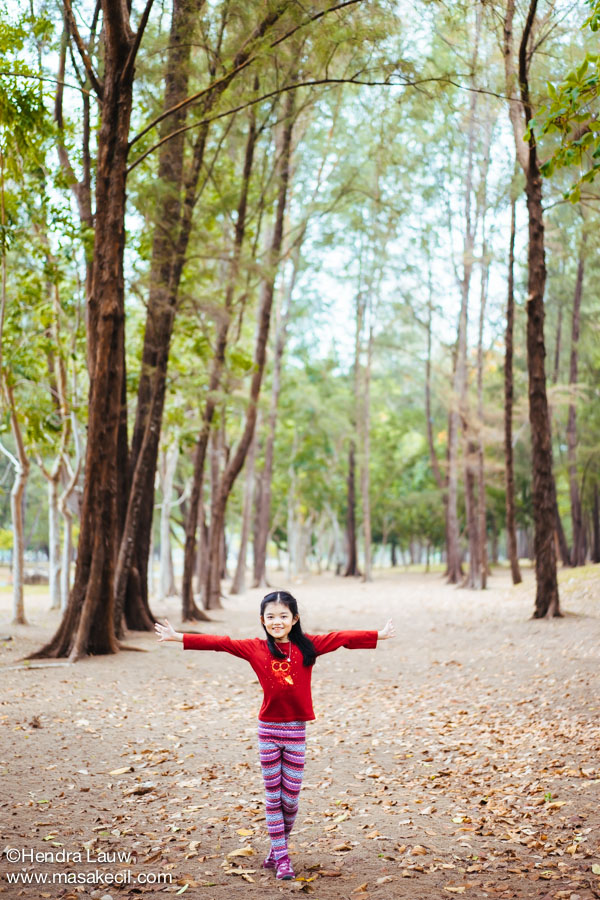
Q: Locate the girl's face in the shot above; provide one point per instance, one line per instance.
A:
(278, 620)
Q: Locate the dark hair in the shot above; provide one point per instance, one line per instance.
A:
(296, 636)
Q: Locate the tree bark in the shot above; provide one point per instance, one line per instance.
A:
(67, 507)
(167, 467)
(561, 540)
(547, 599)
(170, 239)
(264, 512)
(17, 498)
(239, 579)
(365, 459)
(212, 582)
(579, 544)
(54, 550)
(485, 267)
(511, 534)
(352, 569)
(459, 408)
(88, 622)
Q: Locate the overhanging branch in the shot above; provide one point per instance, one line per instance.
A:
(443, 79)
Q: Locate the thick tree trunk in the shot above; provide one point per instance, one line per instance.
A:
(547, 602)
(511, 534)
(232, 470)
(170, 239)
(579, 543)
(352, 561)
(88, 623)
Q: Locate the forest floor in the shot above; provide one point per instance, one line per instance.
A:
(460, 758)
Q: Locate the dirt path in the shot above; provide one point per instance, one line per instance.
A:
(461, 758)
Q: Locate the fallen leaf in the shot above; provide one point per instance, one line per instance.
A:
(339, 848)
(122, 771)
(459, 889)
(242, 851)
(137, 790)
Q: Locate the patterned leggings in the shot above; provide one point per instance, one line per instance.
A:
(281, 747)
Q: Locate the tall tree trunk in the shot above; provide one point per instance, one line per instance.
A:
(579, 543)
(67, 507)
(485, 267)
(561, 540)
(54, 550)
(239, 578)
(190, 609)
(17, 509)
(365, 458)
(440, 480)
(212, 582)
(352, 562)
(167, 264)
(547, 599)
(170, 239)
(264, 516)
(88, 623)
(511, 534)
(167, 467)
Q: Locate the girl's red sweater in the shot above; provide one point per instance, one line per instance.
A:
(286, 685)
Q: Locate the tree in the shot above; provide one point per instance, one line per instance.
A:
(88, 625)
(511, 535)
(520, 110)
(578, 553)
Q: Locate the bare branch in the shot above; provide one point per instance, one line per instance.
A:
(314, 19)
(137, 40)
(74, 31)
(292, 87)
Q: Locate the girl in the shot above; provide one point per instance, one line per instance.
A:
(283, 664)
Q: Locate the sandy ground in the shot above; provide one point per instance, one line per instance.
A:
(461, 758)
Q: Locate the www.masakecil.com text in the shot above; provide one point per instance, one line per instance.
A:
(28, 857)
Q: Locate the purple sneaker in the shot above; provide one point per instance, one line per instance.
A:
(270, 862)
(284, 869)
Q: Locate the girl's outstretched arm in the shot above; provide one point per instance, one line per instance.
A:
(388, 631)
(166, 632)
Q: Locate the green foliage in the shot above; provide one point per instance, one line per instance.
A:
(570, 114)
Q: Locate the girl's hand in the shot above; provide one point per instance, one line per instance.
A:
(388, 631)
(166, 632)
